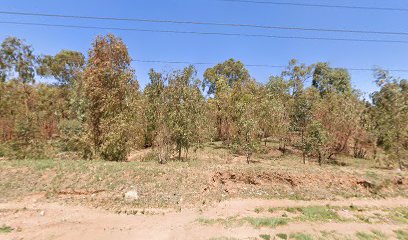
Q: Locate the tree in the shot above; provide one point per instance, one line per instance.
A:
(341, 116)
(297, 74)
(109, 84)
(154, 97)
(281, 105)
(185, 111)
(316, 141)
(66, 66)
(219, 81)
(17, 61)
(327, 79)
(302, 115)
(244, 117)
(176, 112)
(391, 115)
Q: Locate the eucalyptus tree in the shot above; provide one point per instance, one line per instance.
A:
(281, 102)
(327, 79)
(17, 61)
(175, 112)
(185, 110)
(391, 116)
(297, 74)
(109, 83)
(154, 93)
(66, 66)
(219, 82)
(245, 118)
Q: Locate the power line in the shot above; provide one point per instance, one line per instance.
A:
(254, 65)
(204, 33)
(203, 23)
(319, 5)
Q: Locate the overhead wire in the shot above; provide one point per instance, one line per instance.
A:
(190, 22)
(203, 33)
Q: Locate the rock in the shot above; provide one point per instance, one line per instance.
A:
(42, 213)
(131, 196)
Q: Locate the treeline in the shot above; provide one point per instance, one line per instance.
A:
(97, 109)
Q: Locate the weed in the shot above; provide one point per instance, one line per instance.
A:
(374, 235)
(266, 222)
(271, 210)
(259, 210)
(6, 229)
(363, 218)
(255, 222)
(400, 215)
(301, 236)
(292, 209)
(282, 236)
(265, 236)
(228, 222)
(401, 234)
(318, 213)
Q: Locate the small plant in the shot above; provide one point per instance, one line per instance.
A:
(271, 210)
(282, 236)
(301, 236)
(291, 209)
(266, 222)
(259, 210)
(265, 236)
(401, 235)
(374, 235)
(6, 229)
(318, 213)
(400, 215)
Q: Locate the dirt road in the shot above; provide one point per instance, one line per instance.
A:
(37, 219)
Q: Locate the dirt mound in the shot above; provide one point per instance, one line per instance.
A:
(279, 182)
(257, 179)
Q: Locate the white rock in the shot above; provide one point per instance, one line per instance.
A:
(42, 213)
(131, 195)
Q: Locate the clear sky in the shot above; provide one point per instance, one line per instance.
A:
(199, 48)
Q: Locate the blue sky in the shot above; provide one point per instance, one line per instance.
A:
(198, 48)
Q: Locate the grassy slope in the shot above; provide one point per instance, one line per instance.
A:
(211, 175)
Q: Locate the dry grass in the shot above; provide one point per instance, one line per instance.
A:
(211, 174)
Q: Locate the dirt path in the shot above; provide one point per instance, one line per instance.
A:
(38, 220)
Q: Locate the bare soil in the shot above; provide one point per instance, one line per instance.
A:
(214, 195)
(35, 219)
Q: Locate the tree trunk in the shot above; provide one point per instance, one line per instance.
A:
(303, 147)
(179, 152)
(320, 158)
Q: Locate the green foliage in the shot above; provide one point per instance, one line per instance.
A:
(374, 235)
(402, 235)
(175, 112)
(327, 79)
(6, 229)
(316, 140)
(391, 116)
(225, 75)
(70, 135)
(109, 84)
(297, 74)
(301, 236)
(97, 109)
(17, 61)
(66, 66)
(282, 236)
(266, 222)
(265, 236)
(318, 213)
